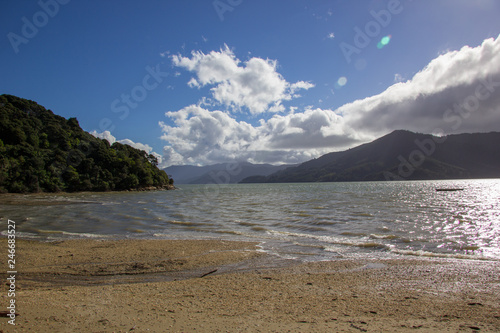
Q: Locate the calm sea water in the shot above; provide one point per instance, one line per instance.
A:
(312, 221)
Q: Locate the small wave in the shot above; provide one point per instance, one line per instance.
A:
(334, 249)
(370, 245)
(310, 228)
(130, 217)
(256, 228)
(349, 233)
(83, 235)
(41, 231)
(422, 253)
(375, 236)
(314, 246)
(247, 224)
(334, 240)
(189, 224)
(323, 222)
(135, 230)
(182, 223)
(19, 234)
(230, 232)
(466, 247)
(303, 214)
(363, 214)
(70, 201)
(179, 215)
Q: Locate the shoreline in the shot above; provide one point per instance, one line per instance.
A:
(142, 189)
(211, 285)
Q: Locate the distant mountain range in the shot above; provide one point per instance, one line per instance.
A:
(401, 155)
(223, 173)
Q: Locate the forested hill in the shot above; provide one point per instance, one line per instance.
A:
(43, 152)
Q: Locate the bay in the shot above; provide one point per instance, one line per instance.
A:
(306, 221)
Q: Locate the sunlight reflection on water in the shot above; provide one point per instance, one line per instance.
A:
(318, 219)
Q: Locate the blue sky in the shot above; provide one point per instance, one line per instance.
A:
(201, 82)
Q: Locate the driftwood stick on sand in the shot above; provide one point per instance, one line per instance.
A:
(208, 273)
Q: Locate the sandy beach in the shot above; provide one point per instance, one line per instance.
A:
(221, 286)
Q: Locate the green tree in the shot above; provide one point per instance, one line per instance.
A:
(40, 151)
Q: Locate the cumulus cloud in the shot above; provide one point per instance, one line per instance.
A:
(106, 135)
(398, 78)
(457, 92)
(201, 136)
(254, 84)
(137, 145)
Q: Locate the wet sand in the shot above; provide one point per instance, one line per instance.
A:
(220, 286)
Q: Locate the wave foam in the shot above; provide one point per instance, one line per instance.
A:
(422, 253)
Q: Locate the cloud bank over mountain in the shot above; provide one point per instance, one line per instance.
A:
(457, 92)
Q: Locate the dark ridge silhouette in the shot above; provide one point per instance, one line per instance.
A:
(222, 173)
(402, 155)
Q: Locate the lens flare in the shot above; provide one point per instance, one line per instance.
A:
(342, 81)
(384, 41)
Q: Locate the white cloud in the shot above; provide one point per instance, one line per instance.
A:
(434, 97)
(254, 84)
(137, 145)
(430, 100)
(200, 136)
(106, 135)
(300, 85)
(398, 78)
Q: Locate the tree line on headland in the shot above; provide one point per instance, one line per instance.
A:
(44, 152)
